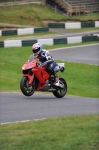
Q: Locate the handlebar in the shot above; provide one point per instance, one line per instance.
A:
(46, 63)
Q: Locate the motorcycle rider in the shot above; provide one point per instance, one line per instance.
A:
(44, 55)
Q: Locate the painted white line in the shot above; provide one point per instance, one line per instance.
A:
(89, 32)
(10, 92)
(81, 63)
(72, 34)
(74, 46)
(22, 121)
(14, 122)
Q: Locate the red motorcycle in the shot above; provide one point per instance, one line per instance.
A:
(38, 77)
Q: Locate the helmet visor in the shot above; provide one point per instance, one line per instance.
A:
(36, 50)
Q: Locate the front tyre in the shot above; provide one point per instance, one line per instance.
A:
(61, 92)
(26, 88)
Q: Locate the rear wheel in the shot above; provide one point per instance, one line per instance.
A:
(26, 88)
(61, 92)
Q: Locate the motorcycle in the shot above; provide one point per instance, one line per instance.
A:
(38, 77)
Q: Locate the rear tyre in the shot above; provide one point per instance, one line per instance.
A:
(26, 88)
(61, 92)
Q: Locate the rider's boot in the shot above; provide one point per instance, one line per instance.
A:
(56, 80)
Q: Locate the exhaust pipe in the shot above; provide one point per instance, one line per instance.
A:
(47, 88)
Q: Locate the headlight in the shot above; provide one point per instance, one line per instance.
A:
(23, 68)
(29, 67)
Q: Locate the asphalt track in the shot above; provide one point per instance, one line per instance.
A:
(16, 107)
(88, 54)
(62, 33)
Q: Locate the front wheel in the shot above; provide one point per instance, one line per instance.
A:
(61, 92)
(26, 88)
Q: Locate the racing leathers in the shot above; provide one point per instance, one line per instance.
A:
(45, 56)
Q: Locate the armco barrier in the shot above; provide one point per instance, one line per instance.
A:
(73, 25)
(87, 24)
(28, 42)
(76, 39)
(49, 41)
(60, 41)
(38, 30)
(56, 25)
(89, 38)
(46, 41)
(2, 44)
(23, 31)
(96, 23)
(67, 25)
(8, 32)
(12, 43)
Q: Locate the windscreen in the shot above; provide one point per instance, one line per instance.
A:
(31, 58)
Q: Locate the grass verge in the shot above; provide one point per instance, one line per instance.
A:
(65, 133)
(82, 79)
(38, 15)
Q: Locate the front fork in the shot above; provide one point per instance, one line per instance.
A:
(30, 78)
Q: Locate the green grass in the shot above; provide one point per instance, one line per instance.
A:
(65, 133)
(37, 15)
(82, 79)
